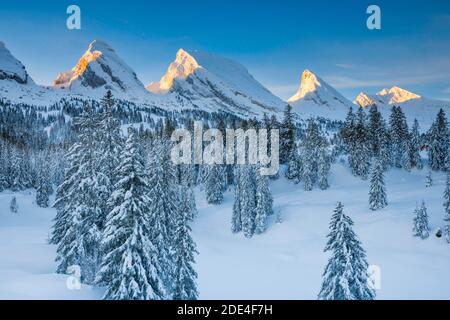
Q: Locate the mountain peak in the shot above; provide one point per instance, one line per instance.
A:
(309, 82)
(364, 100)
(100, 67)
(11, 68)
(183, 66)
(398, 95)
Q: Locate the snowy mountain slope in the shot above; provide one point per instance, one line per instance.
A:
(317, 98)
(216, 83)
(15, 83)
(413, 105)
(12, 69)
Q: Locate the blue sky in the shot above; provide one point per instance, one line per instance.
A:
(275, 40)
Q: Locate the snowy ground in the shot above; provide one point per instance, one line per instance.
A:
(284, 263)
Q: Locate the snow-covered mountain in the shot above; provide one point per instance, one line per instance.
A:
(413, 105)
(317, 98)
(100, 69)
(12, 69)
(216, 83)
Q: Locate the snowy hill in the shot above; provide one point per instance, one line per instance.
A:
(413, 105)
(289, 257)
(317, 98)
(216, 83)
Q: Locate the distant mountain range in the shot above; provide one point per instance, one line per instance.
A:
(197, 80)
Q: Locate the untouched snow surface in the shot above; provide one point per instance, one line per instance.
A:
(284, 263)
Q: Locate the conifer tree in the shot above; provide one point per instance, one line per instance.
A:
(130, 268)
(214, 185)
(415, 145)
(287, 135)
(75, 228)
(164, 201)
(294, 166)
(377, 193)
(447, 195)
(109, 147)
(324, 166)
(264, 202)
(185, 287)
(43, 187)
(439, 142)
(421, 227)
(248, 200)
(345, 276)
(236, 218)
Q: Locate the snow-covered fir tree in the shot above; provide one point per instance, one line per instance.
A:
(438, 139)
(109, 149)
(311, 148)
(162, 211)
(362, 152)
(130, 267)
(421, 227)
(13, 206)
(248, 200)
(446, 197)
(287, 135)
(43, 183)
(264, 202)
(324, 165)
(214, 184)
(236, 218)
(377, 192)
(185, 287)
(375, 130)
(398, 135)
(415, 146)
(76, 227)
(345, 276)
(294, 170)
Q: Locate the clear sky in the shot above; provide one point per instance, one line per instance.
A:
(275, 40)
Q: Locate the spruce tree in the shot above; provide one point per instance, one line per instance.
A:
(421, 227)
(438, 137)
(130, 268)
(447, 195)
(248, 200)
(164, 201)
(43, 187)
(294, 166)
(185, 287)
(236, 218)
(75, 227)
(415, 146)
(214, 185)
(345, 276)
(377, 193)
(264, 202)
(287, 135)
(324, 166)
(108, 134)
